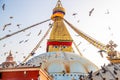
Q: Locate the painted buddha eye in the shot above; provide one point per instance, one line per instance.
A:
(55, 46)
(64, 46)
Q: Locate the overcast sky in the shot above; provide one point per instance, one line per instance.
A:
(102, 25)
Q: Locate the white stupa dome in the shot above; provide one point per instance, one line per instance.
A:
(57, 62)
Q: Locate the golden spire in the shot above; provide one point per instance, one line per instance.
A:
(58, 11)
(59, 36)
(59, 4)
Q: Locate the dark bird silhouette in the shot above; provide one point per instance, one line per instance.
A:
(3, 7)
(90, 74)
(11, 17)
(104, 70)
(100, 51)
(5, 53)
(20, 42)
(27, 40)
(74, 14)
(32, 53)
(50, 24)
(18, 25)
(40, 64)
(115, 72)
(91, 11)
(39, 32)
(4, 27)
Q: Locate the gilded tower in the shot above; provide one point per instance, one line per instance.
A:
(60, 39)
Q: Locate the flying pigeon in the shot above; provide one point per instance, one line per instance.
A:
(6, 26)
(115, 72)
(90, 12)
(26, 40)
(100, 51)
(97, 74)
(39, 32)
(11, 17)
(20, 42)
(3, 7)
(90, 74)
(18, 25)
(104, 70)
(50, 24)
(74, 14)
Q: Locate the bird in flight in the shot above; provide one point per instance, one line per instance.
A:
(20, 42)
(26, 40)
(39, 32)
(50, 24)
(90, 12)
(6, 26)
(74, 14)
(11, 17)
(18, 25)
(3, 7)
(100, 51)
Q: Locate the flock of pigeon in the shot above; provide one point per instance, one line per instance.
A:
(90, 14)
(4, 28)
(24, 41)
